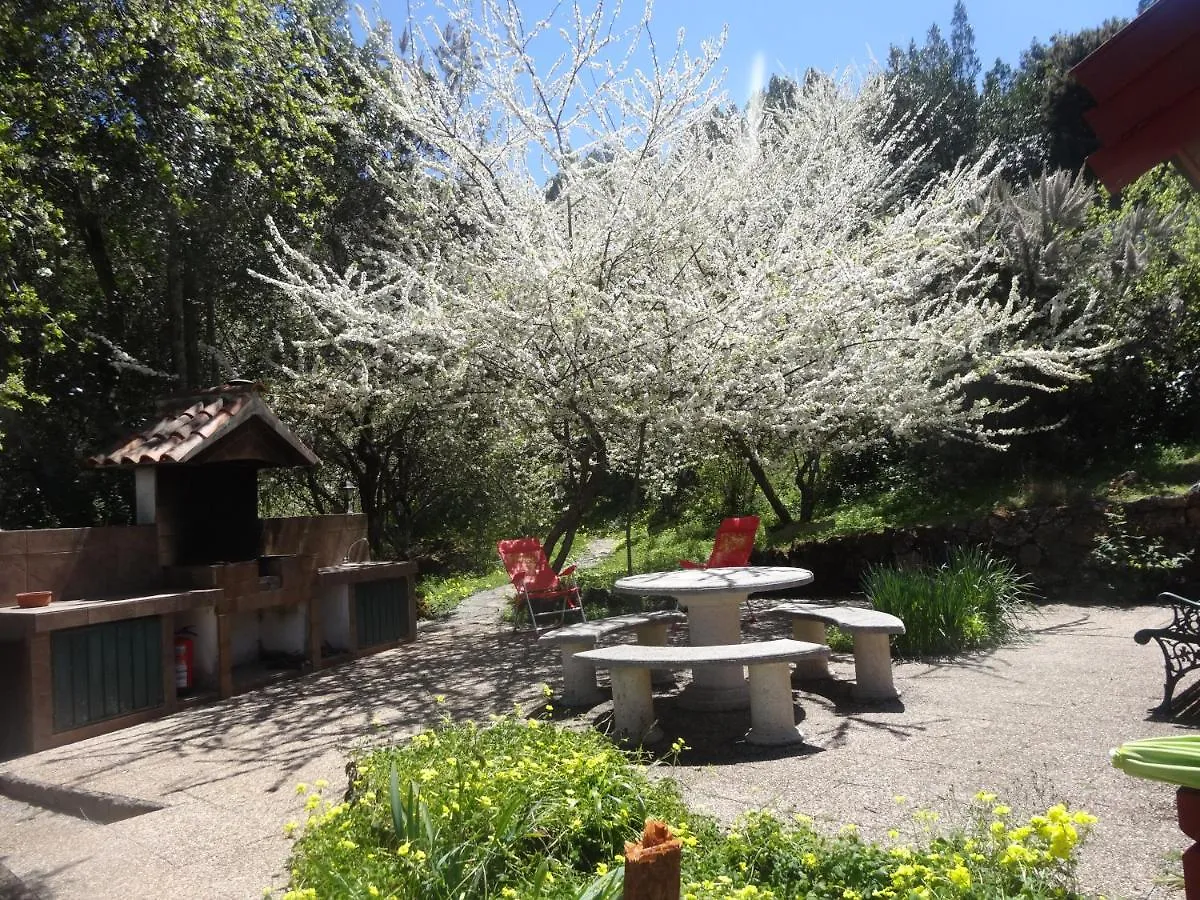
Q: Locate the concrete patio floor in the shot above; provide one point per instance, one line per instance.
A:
(1032, 722)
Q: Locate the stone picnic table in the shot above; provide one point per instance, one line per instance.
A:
(713, 598)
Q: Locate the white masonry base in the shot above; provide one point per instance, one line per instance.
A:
(772, 712)
(872, 643)
(579, 676)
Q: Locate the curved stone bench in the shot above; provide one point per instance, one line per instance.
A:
(772, 716)
(872, 649)
(579, 676)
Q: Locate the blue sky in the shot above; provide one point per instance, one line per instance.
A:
(792, 35)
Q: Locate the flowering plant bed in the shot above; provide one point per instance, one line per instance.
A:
(521, 808)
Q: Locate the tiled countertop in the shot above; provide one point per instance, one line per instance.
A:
(16, 622)
(352, 573)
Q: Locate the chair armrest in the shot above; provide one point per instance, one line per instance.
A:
(569, 570)
(688, 564)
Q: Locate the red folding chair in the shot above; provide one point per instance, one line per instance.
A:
(731, 546)
(544, 593)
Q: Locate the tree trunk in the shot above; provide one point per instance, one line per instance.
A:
(177, 329)
(808, 472)
(591, 454)
(763, 482)
(191, 325)
(562, 533)
(92, 231)
(634, 494)
(210, 336)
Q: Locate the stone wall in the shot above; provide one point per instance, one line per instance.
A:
(1051, 544)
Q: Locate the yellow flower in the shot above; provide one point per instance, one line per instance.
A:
(372, 890)
(404, 848)
(347, 844)
(313, 801)
(290, 828)
(301, 788)
(1001, 811)
(893, 834)
(1063, 838)
(320, 784)
(1083, 818)
(997, 828)
(534, 724)
(419, 855)
(508, 892)
(960, 877)
(439, 698)
(985, 797)
(601, 868)
(900, 799)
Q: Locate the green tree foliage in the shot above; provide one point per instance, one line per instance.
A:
(1159, 373)
(1034, 113)
(142, 147)
(936, 96)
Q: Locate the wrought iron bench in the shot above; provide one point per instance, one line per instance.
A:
(1179, 642)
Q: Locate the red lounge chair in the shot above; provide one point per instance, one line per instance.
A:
(546, 594)
(732, 545)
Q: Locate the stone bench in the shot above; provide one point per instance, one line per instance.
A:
(872, 650)
(772, 716)
(579, 676)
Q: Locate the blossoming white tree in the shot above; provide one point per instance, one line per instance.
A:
(635, 274)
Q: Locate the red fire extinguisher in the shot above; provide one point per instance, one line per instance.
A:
(185, 655)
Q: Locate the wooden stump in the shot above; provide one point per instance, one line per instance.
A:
(652, 864)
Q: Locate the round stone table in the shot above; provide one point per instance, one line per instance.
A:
(713, 598)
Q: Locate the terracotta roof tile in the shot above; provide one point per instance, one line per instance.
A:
(189, 424)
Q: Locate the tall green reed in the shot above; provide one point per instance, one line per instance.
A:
(974, 600)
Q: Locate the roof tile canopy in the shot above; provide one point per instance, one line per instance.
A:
(1146, 83)
(226, 423)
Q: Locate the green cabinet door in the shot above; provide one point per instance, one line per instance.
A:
(382, 612)
(103, 671)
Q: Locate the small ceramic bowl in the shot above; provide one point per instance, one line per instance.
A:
(34, 599)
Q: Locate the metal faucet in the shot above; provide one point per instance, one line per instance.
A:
(350, 551)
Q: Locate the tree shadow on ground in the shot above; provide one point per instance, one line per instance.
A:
(279, 729)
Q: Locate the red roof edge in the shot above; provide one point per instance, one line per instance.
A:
(1150, 36)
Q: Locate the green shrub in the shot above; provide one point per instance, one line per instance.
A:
(470, 811)
(991, 856)
(526, 809)
(1123, 557)
(972, 601)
